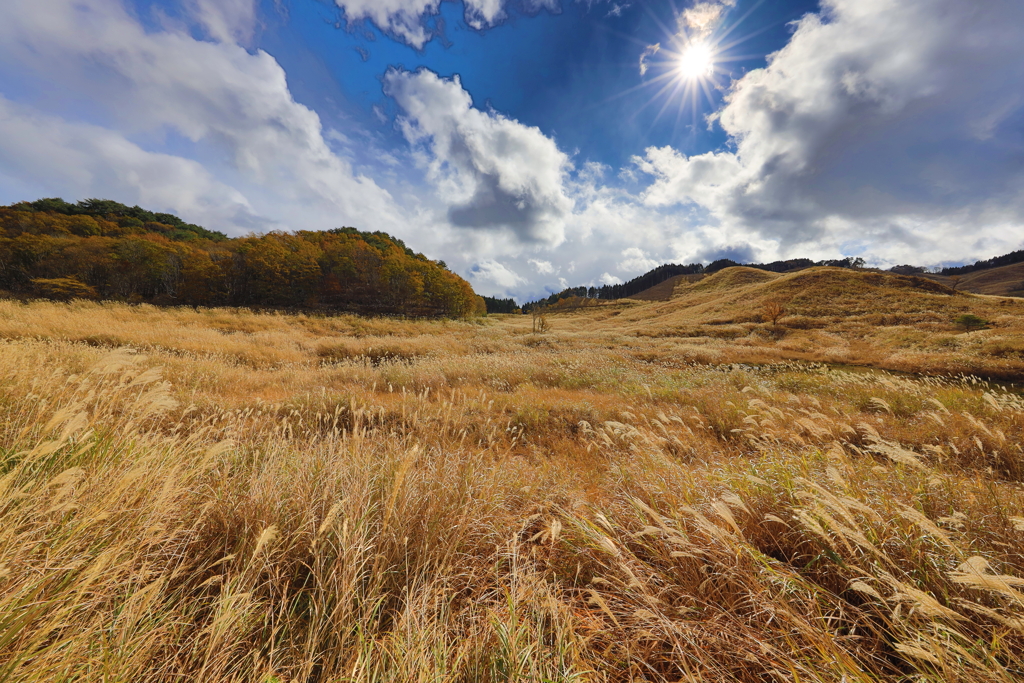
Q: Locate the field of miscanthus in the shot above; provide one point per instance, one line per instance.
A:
(222, 495)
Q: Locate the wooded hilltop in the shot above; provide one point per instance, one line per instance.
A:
(101, 249)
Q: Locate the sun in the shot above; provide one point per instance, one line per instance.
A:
(690, 68)
(696, 62)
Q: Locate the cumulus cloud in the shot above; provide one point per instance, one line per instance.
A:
(214, 94)
(491, 272)
(885, 126)
(636, 261)
(402, 19)
(609, 279)
(493, 172)
(542, 267)
(98, 161)
(701, 19)
(406, 20)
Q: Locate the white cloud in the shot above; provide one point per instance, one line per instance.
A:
(616, 10)
(216, 95)
(493, 172)
(703, 179)
(493, 272)
(228, 21)
(609, 279)
(886, 126)
(406, 19)
(702, 19)
(483, 13)
(645, 57)
(402, 19)
(636, 261)
(100, 162)
(542, 267)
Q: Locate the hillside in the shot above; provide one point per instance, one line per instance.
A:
(999, 281)
(834, 315)
(99, 249)
(664, 290)
(1000, 275)
(823, 295)
(996, 281)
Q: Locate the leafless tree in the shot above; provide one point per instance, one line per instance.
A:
(773, 309)
(540, 321)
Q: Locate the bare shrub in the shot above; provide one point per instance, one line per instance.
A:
(540, 320)
(772, 310)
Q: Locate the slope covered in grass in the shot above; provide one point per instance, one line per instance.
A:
(218, 495)
(832, 315)
(1000, 281)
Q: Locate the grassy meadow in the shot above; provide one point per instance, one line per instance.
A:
(646, 491)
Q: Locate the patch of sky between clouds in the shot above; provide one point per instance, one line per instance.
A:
(414, 22)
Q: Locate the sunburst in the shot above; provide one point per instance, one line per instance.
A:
(684, 71)
(697, 61)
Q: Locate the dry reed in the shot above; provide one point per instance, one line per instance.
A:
(222, 496)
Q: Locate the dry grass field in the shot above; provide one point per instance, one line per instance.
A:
(1004, 280)
(648, 491)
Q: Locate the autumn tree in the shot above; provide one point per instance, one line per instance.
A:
(772, 309)
(115, 251)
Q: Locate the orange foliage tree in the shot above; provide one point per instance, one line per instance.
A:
(126, 253)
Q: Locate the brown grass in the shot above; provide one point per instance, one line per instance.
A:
(837, 316)
(1002, 281)
(227, 496)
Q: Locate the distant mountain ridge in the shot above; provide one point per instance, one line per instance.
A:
(640, 287)
(101, 249)
(1004, 276)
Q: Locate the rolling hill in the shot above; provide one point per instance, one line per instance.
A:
(833, 315)
(1000, 275)
(1001, 281)
(820, 295)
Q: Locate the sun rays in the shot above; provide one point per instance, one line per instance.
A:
(697, 61)
(684, 74)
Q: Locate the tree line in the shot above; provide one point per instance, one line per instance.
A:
(501, 305)
(994, 262)
(101, 249)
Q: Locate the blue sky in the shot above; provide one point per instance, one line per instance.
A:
(534, 144)
(549, 70)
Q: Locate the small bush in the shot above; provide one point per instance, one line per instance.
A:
(63, 289)
(969, 321)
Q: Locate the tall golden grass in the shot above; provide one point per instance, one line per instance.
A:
(228, 496)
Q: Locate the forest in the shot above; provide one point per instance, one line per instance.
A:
(101, 249)
(1004, 260)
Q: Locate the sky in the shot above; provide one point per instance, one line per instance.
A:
(536, 144)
